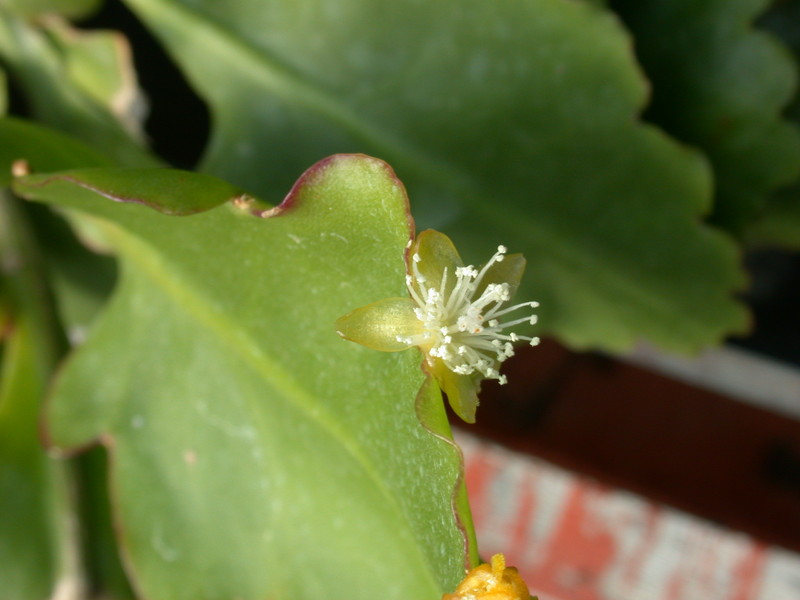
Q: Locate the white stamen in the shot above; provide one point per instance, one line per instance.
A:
(462, 328)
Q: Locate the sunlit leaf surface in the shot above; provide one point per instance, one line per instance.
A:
(255, 453)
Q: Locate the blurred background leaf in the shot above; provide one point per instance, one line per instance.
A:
(42, 148)
(780, 223)
(37, 546)
(99, 64)
(39, 538)
(3, 92)
(221, 341)
(68, 8)
(721, 84)
(55, 518)
(511, 122)
(57, 72)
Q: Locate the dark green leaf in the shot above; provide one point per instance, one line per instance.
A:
(780, 224)
(58, 78)
(67, 8)
(3, 93)
(169, 191)
(721, 84)
(43, 149)
(511, 122)
(38, 541)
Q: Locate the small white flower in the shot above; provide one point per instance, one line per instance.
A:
(461, 320)
(456, 314)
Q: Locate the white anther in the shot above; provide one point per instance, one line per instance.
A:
(462, 327)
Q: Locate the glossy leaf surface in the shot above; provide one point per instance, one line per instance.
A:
(256, 454)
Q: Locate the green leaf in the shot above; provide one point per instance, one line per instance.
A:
(780, 224)
(99, 65)
(721, 85)
(26, 552)
(43, 149)
(169, 191)
(67, 8)
(255, 453)
(82, 280)
(53, 69)
(511, 122)
(3, 93)
(38, 540)
(100, 544)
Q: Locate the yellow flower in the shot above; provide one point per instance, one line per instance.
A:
(495, 582)
(454, 315)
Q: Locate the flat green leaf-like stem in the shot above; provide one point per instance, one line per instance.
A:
(42, 149)
(511, 121)
(169, 191)
(255, 454)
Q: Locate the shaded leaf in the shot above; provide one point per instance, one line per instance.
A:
(99, 64)
(67, 8)
(38, 541)
(42, 148)
(103, 565)
(3, 93)
(82, 280)
(169, 191)
(721, 84)
(38, 536)
(27, 554)
(780, 223)
(510, 122)
(256, 454)
(46, 71)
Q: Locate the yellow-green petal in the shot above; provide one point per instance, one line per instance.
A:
(462, 390)
(509, 270)
(378, 325)
(437, 253)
